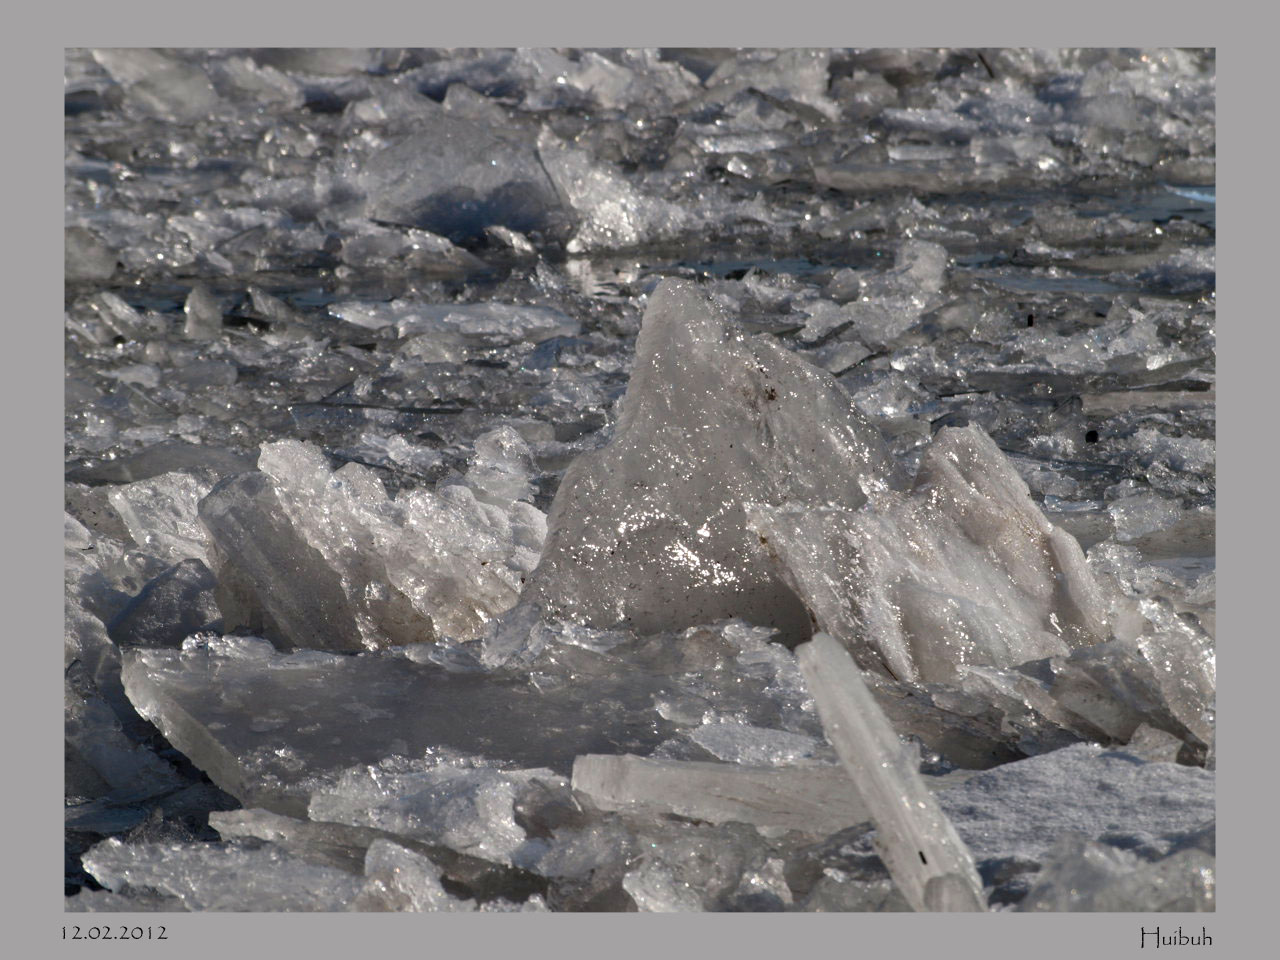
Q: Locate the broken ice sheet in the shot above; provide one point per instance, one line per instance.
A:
(492, 323)
(648, 532)
(223, 877)
(964, 569)
(273, 728)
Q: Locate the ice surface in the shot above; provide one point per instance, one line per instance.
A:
(350, 265)
(648, 531)
(1105, 795)
(964, 569)
(927, 859)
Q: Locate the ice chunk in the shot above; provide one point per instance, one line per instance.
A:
(1139, 515)
(347, 519)
(489, 323)
(271, 728)
(160, 85)
(502, 469)
(87, 257)
(162, 515)
(812, 798)
(465, 807)
(455, 177)
(964, 569)
(740, 742)
(1087, 876)
(799, 75)
(918, 843)
(204, 315)
(1084, 789)
(270, 580)
(217, 876)
(648, 532)
(614, 213)
(400, 880)
(171, 456)
(169, 609)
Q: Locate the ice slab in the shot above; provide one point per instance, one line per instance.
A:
(963, 569)
(270, 580)
(926, 857)
(455, 177)
(272, 728)
(813, 798)
(1022, 809)
(648, 532)
(484, 323)
(223, 877)
(161, 514)
(160, 85)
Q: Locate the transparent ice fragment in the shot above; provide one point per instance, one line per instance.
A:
(225, 877)
(490, 323)
(1143, 514)
(399, 880)
(739, 742)
(161, 514)
(648, 532)
(964, 569)
(272, 728)
(204, 315)
(918, 843)
(160, 85)
(808, 797)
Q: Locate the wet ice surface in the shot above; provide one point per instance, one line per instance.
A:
(459, 443)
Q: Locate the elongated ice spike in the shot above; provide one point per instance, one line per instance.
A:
(915, 839)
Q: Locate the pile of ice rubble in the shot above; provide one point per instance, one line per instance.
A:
(435, 542)
(532, 692)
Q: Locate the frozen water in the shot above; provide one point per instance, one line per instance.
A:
(376, 354)
(224, 877)
(454, 176)
(648, 532)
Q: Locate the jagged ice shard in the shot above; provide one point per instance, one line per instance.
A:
(962, 569)
(648, 533)
(925, 856)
